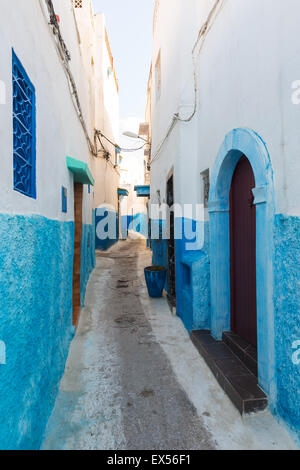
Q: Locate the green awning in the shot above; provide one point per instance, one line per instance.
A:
(81, 171)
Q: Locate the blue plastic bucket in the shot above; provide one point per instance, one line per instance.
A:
(155, 279)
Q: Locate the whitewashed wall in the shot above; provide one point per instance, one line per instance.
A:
(59, 132)
(103, 98)
(132, 169)
(245, 72)
(107, 119)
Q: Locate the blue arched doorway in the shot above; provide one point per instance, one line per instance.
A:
(239, 143)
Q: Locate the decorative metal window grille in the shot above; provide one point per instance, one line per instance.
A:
(78, 3)
(24, 128)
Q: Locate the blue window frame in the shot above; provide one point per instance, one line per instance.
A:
(24, 130)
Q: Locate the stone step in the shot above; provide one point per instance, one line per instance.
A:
(242, 349)
(238, 382)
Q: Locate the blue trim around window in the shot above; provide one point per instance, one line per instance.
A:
(24, 130)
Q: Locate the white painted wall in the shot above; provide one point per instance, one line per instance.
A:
(245, 71)
(59, 132)
(104, 99)
(132, 168)
(107, 119)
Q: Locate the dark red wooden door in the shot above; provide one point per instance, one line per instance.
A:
(243, 253)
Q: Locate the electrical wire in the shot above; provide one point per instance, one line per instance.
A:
(65, 56)
(117, 146)
(201, 35)
(106, 156)
(168, 133)
(65, 59)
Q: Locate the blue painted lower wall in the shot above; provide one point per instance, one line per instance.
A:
(193, 277)
(287, 317)
(106, 228)
(192, 270)
(36, 256)
(160, 253)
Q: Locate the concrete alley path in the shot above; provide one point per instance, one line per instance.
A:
(134, 380)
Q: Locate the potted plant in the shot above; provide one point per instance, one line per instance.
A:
(155, 276)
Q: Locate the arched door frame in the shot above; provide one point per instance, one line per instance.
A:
(237, 143)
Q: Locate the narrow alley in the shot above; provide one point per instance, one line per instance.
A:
(134, 380)
(150, 226)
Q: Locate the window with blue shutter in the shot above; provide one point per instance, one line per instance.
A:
(24, 130)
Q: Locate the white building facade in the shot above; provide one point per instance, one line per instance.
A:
(104, 98)
(134, 207)
(225, 112)
(50, 160)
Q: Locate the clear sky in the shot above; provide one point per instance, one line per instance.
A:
(129, 27)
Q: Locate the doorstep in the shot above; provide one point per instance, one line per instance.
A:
(243, 350)
(236, 379)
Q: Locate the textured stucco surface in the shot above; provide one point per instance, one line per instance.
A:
(193, 280)
(159, 248)
(287, 324)
(35, 323)
(199, 291)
